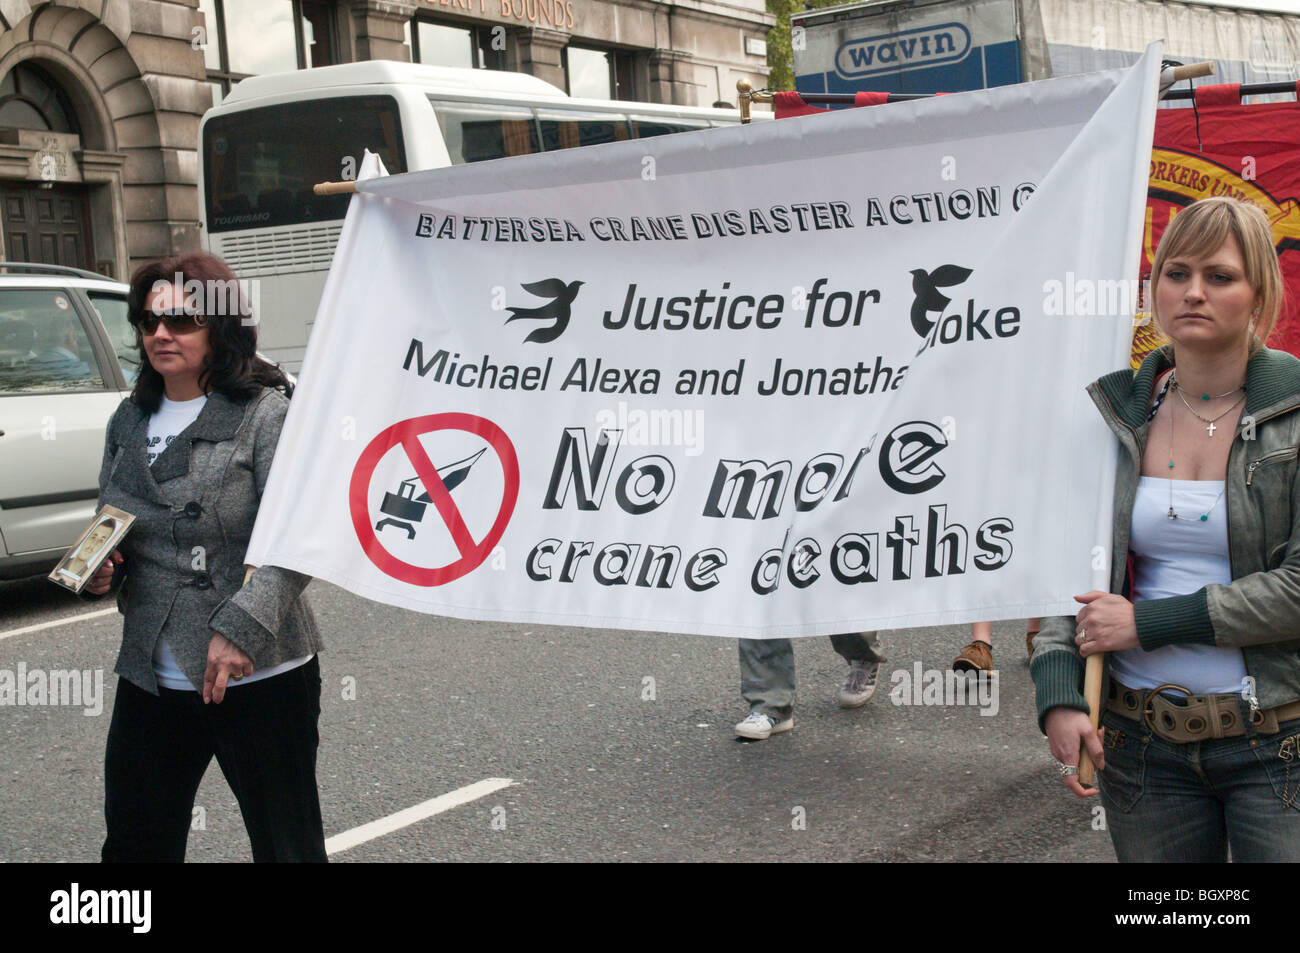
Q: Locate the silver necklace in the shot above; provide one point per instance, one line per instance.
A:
(1209, 421)
(1172, 514)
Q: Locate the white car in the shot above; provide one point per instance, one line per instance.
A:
(67, 358)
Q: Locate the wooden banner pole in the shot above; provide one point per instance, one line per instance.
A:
(1092, 692)
(1192, 70)
(334, 188)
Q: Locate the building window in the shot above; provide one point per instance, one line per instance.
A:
(249, 37)
(31, 99)
(439, 45)
(211, 36)
(260, 36)
(436, 43)
(598, 74)
(317, 22)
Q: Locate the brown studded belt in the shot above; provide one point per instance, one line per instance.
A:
(1194, 717)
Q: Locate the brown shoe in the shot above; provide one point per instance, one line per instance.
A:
(1029, 643)
(976, 657)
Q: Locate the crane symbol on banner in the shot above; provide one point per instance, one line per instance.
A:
(404, 508)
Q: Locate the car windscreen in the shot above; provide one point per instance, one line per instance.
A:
(112, 311)
(260, 164)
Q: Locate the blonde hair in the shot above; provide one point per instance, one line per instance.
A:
(1202, 229)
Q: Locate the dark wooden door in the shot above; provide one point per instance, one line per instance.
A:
(46, 226)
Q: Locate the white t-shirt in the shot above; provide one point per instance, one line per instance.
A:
(1174, 558)
(172, 417)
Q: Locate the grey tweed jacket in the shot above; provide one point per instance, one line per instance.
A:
(183, 575)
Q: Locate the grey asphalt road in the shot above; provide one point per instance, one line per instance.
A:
(603, 768)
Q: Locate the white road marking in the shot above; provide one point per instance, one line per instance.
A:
(411, 815)
(64, 621)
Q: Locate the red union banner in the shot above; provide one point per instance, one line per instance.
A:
(1248, 152)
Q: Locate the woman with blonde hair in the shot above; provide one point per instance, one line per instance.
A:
(1201, 626)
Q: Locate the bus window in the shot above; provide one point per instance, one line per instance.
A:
(643, 127)
(260, 164)
(564, 130)
(477, 133)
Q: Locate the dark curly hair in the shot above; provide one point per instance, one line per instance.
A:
(234, 370)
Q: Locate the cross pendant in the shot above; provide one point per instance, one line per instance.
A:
(1210, 430)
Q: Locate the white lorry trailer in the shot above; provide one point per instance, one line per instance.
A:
(931, 46)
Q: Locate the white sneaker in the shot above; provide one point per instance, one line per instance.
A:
(860, 684)
(759, 726)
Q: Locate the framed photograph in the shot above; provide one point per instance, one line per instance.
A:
(88, 553)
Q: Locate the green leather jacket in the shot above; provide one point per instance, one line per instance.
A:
(1259, 611)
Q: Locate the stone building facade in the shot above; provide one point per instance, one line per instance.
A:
(100, 100)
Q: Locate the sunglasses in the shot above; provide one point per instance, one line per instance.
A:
(178, 321)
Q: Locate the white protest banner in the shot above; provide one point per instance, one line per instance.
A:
(800, 377)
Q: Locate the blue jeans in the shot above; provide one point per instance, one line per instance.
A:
(1193, 802)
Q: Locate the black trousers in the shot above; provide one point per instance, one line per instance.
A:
(264, 736)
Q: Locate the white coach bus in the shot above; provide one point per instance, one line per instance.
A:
(276, 136)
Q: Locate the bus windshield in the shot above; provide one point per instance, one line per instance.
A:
(260, 164)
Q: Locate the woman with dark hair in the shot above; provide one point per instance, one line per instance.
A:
(211, 664)
(1201, 626)
(203, 283)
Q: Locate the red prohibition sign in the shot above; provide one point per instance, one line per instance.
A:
(407, 433)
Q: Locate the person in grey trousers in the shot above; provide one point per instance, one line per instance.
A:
(212, 664)
(767, 680)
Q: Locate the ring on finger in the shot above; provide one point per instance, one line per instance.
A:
(1068, 770)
